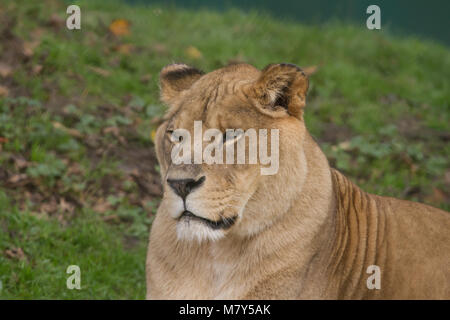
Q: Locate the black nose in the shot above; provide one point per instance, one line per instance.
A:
(183, 187)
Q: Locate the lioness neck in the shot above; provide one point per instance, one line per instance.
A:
(282, 256)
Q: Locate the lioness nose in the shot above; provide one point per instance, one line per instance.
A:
(183, 187)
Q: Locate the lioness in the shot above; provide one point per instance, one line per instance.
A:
(306, 232)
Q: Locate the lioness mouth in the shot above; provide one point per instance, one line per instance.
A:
(223, 223)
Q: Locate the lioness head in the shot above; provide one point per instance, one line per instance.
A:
(208, 201)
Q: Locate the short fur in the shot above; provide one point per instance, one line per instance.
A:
(306, 232)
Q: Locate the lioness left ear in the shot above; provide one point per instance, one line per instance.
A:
(175, 78)
(282, 86)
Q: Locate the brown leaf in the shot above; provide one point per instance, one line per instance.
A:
(124, 48)
(114, 130)
(4, 91)
(36, 69)
(73, 132)
(20, 162)
(16, 178)
(65, 206)
(120, 27)
(100, 71)
(49, 207)
(101, 206)
(15, 253)
(29, 46)
(3, 140)
(5, 70)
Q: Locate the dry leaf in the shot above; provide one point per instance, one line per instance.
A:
(16, 178)
(15, 253)
(4, 91)
(100, 71)
(65, 206)
(49, 207)
(5, 70)
(3, 140)
(114, 130)
(193, 53)
(120, 27)
(36, 69)
(124, 48)
(101, 206)
(73, 132)
(29, 46)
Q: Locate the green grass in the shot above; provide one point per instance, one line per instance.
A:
(78, 127)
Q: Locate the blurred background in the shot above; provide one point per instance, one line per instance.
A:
(79, 181)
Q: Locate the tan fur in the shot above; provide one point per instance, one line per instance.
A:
(306, 232)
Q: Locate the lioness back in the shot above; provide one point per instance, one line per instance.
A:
(408, 241)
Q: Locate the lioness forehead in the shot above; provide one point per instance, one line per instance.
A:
(216, 96)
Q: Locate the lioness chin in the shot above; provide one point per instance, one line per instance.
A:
(228, 232)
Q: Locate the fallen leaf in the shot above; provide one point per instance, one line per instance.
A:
(73, 132)
(3, 140)
(16, 178)
(114, 130)
(20, 162)
(193, 53)
(100, 71)
(15, 253)
(5, 70)
(29, 46)
(4, 91)
(124, 48)
(120, 27)
(101, 206)
(36, 69)
(65, 206)
(49, 207)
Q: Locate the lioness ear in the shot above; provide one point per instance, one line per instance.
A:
(175, 78)
(282, 86)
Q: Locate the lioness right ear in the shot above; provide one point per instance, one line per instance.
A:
(175, 78)
(282, 86)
